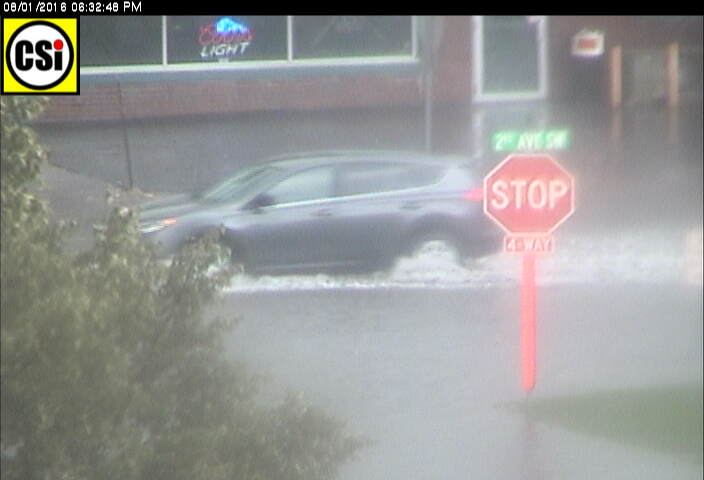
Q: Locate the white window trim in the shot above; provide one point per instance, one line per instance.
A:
(289, 38)
(383, 195)
(386, 194)
(247, 65)
(164, 45)
(478, 74)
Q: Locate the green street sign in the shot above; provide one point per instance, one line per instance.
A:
(531, 140)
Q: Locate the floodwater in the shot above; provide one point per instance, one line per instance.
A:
(425, 360)
(433, 377)
(627, 257)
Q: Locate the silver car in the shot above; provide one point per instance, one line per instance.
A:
(330, 211)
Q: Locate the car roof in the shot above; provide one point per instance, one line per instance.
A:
(328, 157)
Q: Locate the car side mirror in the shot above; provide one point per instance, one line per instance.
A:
(260, 201)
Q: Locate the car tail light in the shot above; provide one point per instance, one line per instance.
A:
(474, 195)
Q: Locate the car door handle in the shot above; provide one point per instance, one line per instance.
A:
(411, 206)
(323, 212)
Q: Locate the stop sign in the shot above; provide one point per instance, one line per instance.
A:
(528, 194)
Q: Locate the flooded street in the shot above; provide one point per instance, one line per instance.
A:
(627, 257)
(433, 377)
(425, 359)
(351, 247)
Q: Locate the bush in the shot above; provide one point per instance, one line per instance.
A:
(111, 370)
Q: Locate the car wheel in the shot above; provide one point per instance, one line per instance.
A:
(438, 246)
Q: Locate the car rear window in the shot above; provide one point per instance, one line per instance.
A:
(369, 178)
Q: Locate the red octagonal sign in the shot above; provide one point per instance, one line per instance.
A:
(529, 194)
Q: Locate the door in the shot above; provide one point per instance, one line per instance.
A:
(369, 216)
(295, 229)
(510, 58)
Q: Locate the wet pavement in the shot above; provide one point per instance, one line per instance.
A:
(425, 359)
(432, 376)
(636, 256)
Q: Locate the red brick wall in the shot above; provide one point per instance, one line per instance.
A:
(385, 87)
(194, 97)
(382, 87)
(632, 33)
(453, 71)
(628, 31)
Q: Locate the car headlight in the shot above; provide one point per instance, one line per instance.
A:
(152, 227)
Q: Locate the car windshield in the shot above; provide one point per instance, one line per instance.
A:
(237, 187)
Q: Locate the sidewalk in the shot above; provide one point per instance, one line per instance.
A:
(72, 196)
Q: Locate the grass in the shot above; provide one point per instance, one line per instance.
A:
(667, 419)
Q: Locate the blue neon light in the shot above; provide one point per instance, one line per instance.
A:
(228, 25)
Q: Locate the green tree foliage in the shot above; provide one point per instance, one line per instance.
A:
(111, 370)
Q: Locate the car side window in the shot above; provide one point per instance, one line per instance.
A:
(377, 178)
(313, 184)
(237, 186)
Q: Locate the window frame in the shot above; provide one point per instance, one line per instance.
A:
(378, 166)
(303, 171)
(288, 63)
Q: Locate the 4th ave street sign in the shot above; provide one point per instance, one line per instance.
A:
(528, 194)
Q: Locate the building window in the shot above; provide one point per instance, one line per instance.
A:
(225, 39)
(351, 36)
(112, 41)
(173, 43)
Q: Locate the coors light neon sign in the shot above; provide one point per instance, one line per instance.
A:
(224, 39)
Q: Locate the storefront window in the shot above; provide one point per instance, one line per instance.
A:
(351, 36)
(163, 42)
(225, 38)
(511, 50)
(111, 41)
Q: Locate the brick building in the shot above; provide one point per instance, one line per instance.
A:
(169, 66)
(299, 75)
